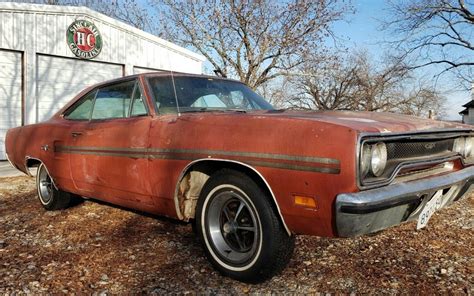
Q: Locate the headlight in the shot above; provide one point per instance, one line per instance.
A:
(459, 145)
(464, 146)
(365, 157)
(379, 159)
(469, 147)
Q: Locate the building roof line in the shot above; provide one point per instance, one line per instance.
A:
(469, 104)
(87, 12)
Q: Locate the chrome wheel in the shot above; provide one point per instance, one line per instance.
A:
(49, 195)
(45, 186)
(239, 228)
(232, 226)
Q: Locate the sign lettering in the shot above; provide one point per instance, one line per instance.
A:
(84, 39)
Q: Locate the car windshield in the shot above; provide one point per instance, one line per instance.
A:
(201, 94)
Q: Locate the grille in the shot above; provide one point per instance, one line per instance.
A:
(413, 149)
(411, 158)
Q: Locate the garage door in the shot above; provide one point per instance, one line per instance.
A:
(58, 80)
(141, 70)
(10, 94)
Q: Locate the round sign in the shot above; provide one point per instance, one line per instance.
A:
(84, 39)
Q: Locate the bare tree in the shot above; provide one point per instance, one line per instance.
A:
(252, 40)
(435, 32)
(131, 12)
(422, 101)
(353, 82)
(324, 85)
(377, 87)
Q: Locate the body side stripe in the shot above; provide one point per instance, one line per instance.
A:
(316, 164)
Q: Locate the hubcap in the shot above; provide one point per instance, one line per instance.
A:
(232, 227)
(45, 186)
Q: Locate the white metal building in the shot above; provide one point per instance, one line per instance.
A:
(41, 68)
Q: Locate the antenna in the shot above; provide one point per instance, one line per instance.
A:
(174, 89)
(172, 81)
(168, 49)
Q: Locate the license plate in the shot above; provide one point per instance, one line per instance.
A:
(431, 206)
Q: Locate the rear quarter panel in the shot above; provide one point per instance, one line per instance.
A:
(24, 142)
(27, 141)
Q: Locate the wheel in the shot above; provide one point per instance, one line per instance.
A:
(50, 197)
(240, 231)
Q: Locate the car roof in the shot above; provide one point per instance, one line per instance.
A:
(164, 74)
(135, 76)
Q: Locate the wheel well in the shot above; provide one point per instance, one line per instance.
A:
(31, 163)
(195, 176)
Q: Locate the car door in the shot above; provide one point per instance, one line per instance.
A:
(107, 152)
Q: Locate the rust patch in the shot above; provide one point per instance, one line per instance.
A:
(189, 190)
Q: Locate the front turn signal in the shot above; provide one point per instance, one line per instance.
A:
(305, 201)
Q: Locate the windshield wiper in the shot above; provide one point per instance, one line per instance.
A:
(236, 110)
(204, 109)
(195, 110)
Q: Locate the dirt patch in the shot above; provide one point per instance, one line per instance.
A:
(95, 247)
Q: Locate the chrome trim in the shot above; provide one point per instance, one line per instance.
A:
(376, 209)
(442, 168)
(408, 164)
(426, 134)
(27, 171)
(185, 170)
(9, 161)
(454, 131)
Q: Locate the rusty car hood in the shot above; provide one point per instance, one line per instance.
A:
(372, 122)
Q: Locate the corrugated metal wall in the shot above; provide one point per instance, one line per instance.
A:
(10, 93)
(35, 58)
(42, 29)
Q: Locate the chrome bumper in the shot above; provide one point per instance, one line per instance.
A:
(373, 210)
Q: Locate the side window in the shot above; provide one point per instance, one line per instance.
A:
(113, 101)
(82, 110)
(138, 103)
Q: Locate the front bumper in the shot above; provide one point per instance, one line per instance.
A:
(373, 210)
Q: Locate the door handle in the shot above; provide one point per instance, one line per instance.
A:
(76, 134)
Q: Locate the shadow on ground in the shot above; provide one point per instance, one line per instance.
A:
(95, 247)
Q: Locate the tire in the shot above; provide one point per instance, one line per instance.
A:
(239, 229)
(50, 197)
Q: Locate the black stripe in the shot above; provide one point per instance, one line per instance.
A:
(209, 152)
(187, 154)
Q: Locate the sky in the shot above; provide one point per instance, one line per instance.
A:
(360, 30)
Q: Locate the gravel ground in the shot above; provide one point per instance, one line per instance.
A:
(96, 248)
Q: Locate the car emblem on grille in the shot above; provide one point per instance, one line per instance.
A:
(429, 146)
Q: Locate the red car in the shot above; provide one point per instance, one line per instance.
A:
(211, 151)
